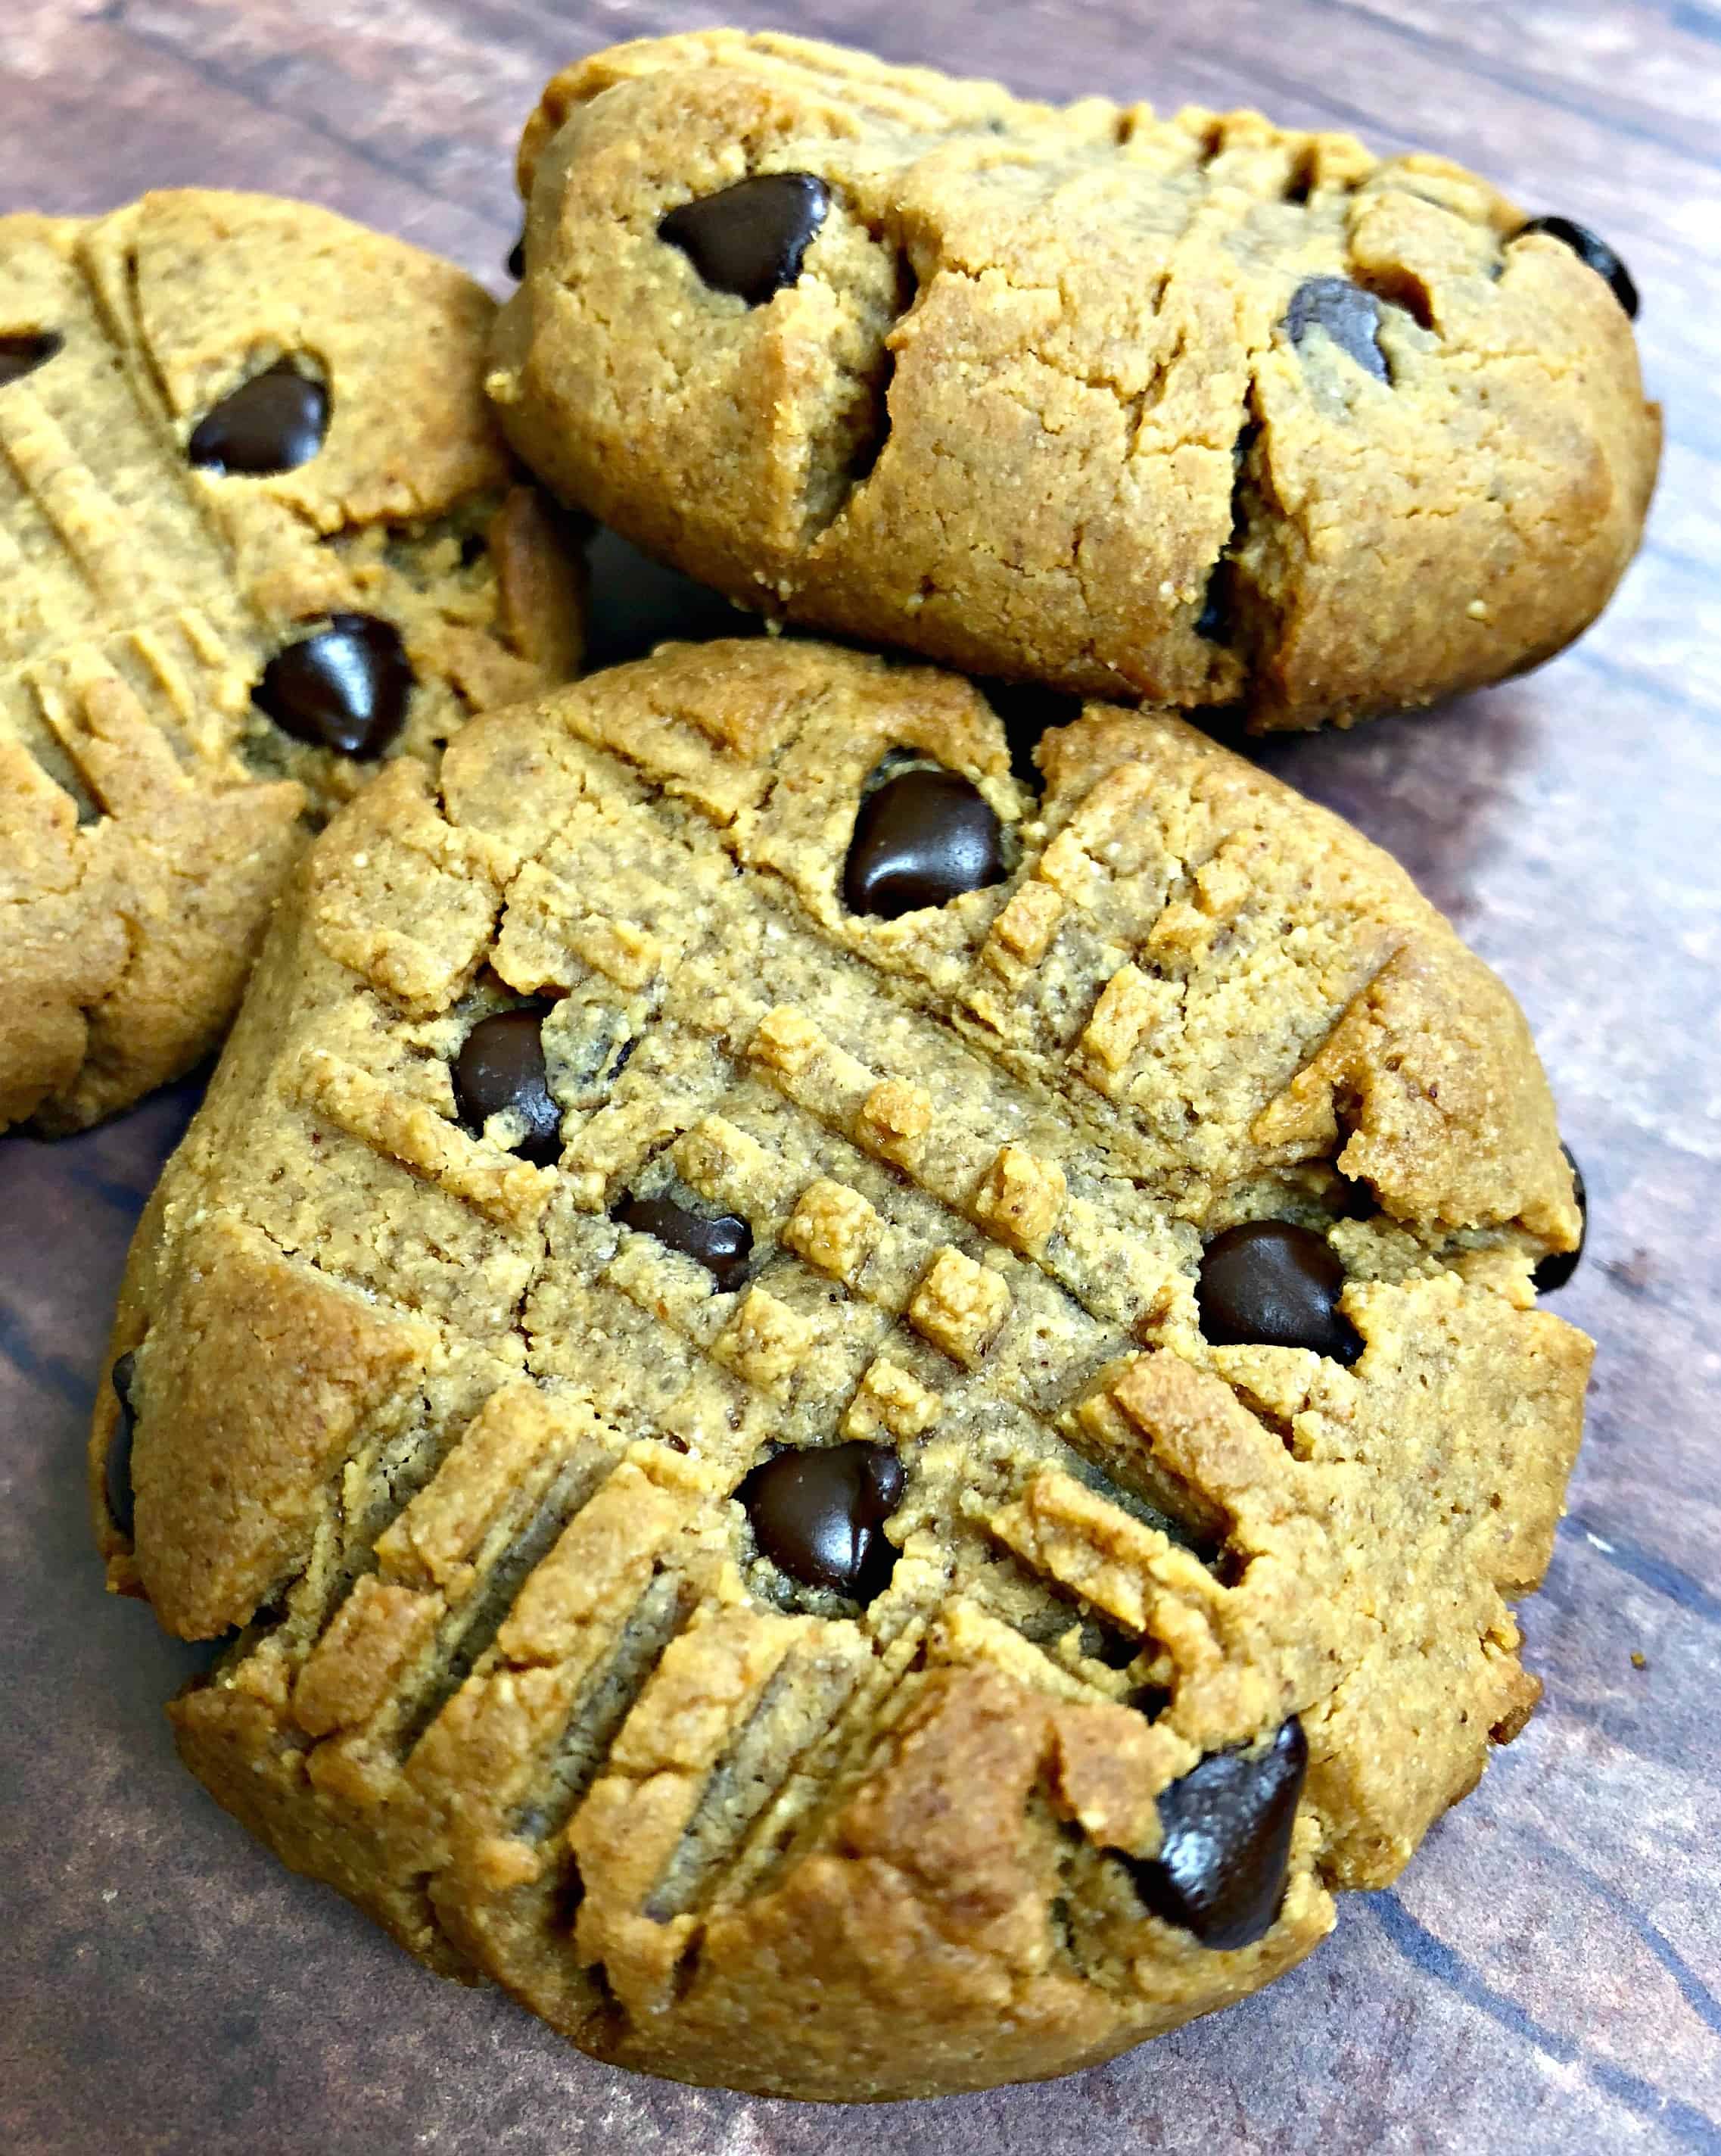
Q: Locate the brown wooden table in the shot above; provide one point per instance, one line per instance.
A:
(1545, 1977)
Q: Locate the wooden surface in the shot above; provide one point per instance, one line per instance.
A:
(1545, 1977)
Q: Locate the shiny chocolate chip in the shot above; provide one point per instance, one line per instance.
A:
(722, 1246)
(20, 356)
(500, 1066)
(517, 258)
(921, 839)
(1226, 1843)
(122, 1504)
(1554, 1271)
(346, 688)
(1594, 252)
(273, 422)
(1271, 1284)
(752, 238)
(1350, 315)
(819, 1516)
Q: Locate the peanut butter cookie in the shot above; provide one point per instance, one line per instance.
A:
(867, 1427)
(258, 530)
(1193, 409)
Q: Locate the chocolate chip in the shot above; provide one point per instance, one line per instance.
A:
(752, 238)
(344, 688)
(1271, 1284)
(722, 1246)
(20, 356)
(921, 839)
(819, 1516)
(272, 423)
(1226, 1843)
(1590, 249)
(1350, 315)
(1556, 1270)
(500, 1066)
(517, 258)
(122, 1504)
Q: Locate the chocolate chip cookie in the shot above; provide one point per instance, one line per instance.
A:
(258, 531)
(867, 1426)
(1195, 409)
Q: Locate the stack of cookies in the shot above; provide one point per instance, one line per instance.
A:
(850, 1362)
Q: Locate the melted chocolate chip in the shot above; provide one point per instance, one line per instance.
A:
(20, 356)
(500, 1066)
(819, 1516)
(752, 238)
(122, 1504)
(344, 688)
(722, 1246)
(272, 423)
(1227, 1843)
(1350, 315)
(921, 839)
(1594, 251)
(1271, 1284)
(517, 258)
(1553, 1272)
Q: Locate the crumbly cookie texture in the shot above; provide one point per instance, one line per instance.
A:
(511, 1475)
(1197, 409)
(157, 559)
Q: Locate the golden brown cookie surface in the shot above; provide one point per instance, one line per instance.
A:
(868, 1427)
(1193, 410)
(259, 531)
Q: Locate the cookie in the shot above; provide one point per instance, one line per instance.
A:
(867, 1429)
(258, 531)
(1195, 409)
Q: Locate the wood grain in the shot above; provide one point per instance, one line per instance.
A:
(1545, 1977)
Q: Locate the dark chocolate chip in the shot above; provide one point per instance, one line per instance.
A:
(272, 423)
(346, 688)
(1271, 1284)
(1554, 1271)
(722, 1246)
(20, 356)
(819, 1515)
(921, 839)
(1226, 1843)
(1594, 251)
(1350, 315)
(122, 1504)
(500, 1065)
(517, 258)
(752, 238)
